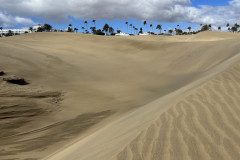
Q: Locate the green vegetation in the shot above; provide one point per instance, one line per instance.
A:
(45, 28)
(170, 31)
(205, 28)
(108, 30)
(159, 27)
(1, 28)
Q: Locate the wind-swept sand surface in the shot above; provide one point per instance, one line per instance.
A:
(93, 97)
(203, 125)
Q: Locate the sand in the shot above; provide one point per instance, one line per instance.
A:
(146, 97)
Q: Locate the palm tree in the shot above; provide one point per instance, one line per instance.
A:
(178, 26)
(127, 25)
(205, 28)
(237, 26)
(111, 30)
(131, 27)
(1, 28)
(105, 28)
(93, 30)
(210, 27)
(189, 28)
(136, 29)
(69, 27)
(151, 27)
(30, 29)
(83, 29)
(178, 31)
(86, 24)
(47, 27)
(75, 30)
(159, 26)
(145, 23)
(94, 21)
(219, 28)
(234, 29)
(141, 30)
(227, 25)
(170, 31)
(200, 26)
(165, 30)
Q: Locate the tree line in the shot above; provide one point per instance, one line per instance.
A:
(108, 30)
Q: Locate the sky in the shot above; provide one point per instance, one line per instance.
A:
(168, 13)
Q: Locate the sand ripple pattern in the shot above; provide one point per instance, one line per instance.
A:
(204, 125)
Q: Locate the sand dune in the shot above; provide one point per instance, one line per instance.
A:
(107, 142)
(85, 89)
(204, 125)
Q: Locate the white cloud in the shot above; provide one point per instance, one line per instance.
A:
(10, 21)
(58, 11)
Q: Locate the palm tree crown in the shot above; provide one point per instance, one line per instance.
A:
(86, 24)
(189, 28)
(159, 26)
(1, 28)
(151, 27)
(127, 25)
(30, 29)
(131, 27)
(105, 28)
(145, 23)
(94, 22)
(76, 29)
(210, 26)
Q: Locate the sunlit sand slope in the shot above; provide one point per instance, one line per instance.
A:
(204, 125)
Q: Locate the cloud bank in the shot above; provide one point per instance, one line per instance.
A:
(58, 11)
(11, 21)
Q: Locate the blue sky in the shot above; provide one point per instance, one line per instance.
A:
(196, 3)
(168, 13)
(120, 24)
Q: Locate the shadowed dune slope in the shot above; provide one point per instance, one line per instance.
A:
(79, 84)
